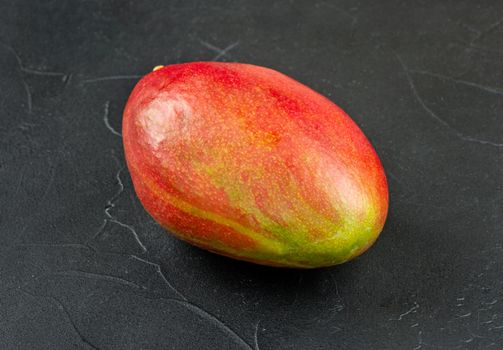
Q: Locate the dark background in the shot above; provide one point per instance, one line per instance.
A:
(423, 79)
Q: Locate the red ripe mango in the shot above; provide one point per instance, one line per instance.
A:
(246, 162)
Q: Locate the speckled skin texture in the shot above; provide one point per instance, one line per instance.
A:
(249, 163)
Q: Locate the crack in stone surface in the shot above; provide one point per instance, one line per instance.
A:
(459, 81)
(488, 30)
(111, 77)
(62, 307)
(255, 336)
(22, 69)
(97, 276)
(112, 219)
(158, 270)
(220, 52)
(23, 81)
(408, 312)
(435, 116)
(133, 232)
(212, 319)
(106, 113)
(53, 245)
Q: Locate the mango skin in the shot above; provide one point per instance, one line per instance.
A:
(246, 162)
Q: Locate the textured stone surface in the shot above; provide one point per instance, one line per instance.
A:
(83, 266)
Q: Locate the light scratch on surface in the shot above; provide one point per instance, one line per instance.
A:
(97, 276)
(479, 34)
(459, 81)
(255, 336)
(408, 312)
(468, 340)
(112, 219)
(133, 231)
(419, 341)
(106, 113)
(22, 69)
(486, 31)
(20, 181)
(28, 96)
(487, 49)
(213, 319)
(111, 202)
(62, 307)
(340, 306)
(158, 269)
(43, 73)
(112, 77)
(14, 53)
(220, 52)
(95, 235)
(435, 116)
(111, 205)
(416, 94)
(49, 185)
(353, 19)
(53, 245)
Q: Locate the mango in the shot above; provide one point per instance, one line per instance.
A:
(246, 162)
